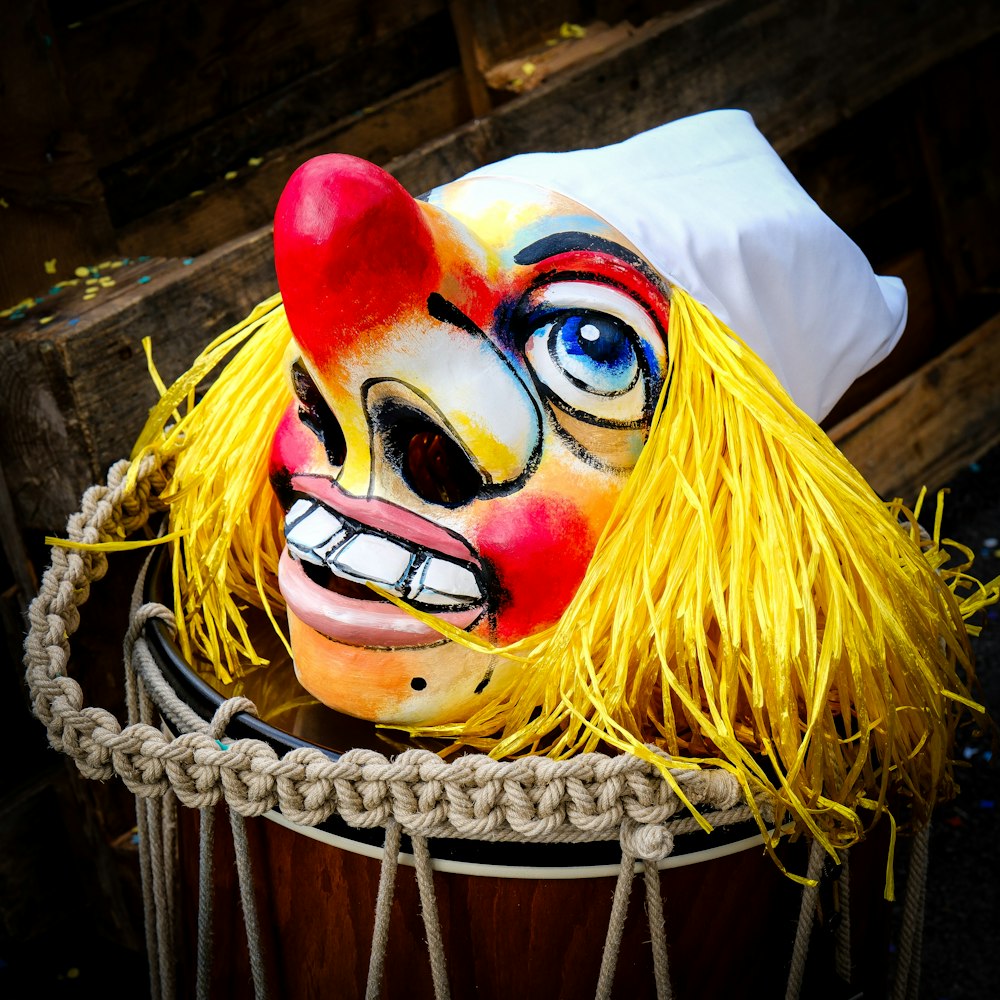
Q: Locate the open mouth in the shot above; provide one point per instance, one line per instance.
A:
(332, 554)
(343, 555)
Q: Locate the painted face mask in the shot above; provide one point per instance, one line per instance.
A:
(474, 378)
(548, 478)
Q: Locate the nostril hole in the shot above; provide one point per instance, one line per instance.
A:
(317, 415)
(430, 461)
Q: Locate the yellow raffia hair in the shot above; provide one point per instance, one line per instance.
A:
(751, 604)
(225, 524)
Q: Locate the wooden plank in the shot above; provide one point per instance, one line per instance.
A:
(73, 384)
(800, 69)
(506, 29)
(233, 207)
(50, 195)
(958, 148)
(225, 138)
(202, 61)
(931, 424)
(82, 375)
(532, 69)
(472, 62)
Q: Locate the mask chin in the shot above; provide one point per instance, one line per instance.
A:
(422, 686)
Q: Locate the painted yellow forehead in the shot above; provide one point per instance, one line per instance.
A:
(507, 215)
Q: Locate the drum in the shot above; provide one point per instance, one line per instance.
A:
(525, 920)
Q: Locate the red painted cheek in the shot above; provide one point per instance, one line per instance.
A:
(293, 447)
(539, 549)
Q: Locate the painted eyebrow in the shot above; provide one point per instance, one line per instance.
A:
(439, 308)
(557, 243)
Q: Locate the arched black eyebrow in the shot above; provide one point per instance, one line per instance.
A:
(557, 243)
(439, 308)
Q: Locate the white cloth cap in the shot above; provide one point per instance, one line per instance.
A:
(712, 207)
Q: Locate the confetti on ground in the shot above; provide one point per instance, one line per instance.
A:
(196, 194)
(4, 203)
(254, 161)
(569, 30)
(230, 175)
(974, 467)
(90, 277)
(145, 279)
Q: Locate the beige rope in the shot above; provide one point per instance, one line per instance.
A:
(206, 902)
(907, 980)
(428, 907)
(586, 798)
(533, 798)
(657, 931)
(842, 957)
(803, 932)
(383, 911)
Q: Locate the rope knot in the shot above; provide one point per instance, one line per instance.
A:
(648, 841)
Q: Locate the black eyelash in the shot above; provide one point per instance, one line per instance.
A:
(317, 415)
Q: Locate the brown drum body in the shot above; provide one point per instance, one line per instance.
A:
(730, 920)
(730, 925)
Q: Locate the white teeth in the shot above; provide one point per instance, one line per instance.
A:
(371, 557)
(297, 511)
(445, 577)
(311, 532)
(314, 534)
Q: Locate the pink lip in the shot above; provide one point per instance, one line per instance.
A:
(355, 622)
(387, 517)
(374, 623)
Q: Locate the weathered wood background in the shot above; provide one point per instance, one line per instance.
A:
(143, 146)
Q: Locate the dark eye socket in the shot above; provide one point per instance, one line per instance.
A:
(433, 465)
(317, 415)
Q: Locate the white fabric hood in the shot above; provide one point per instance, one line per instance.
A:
(712, 207)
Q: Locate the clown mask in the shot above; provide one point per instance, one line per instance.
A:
(474, 378)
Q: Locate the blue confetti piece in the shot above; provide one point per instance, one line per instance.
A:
(988, 755)
(143, 258)
(17, 315)
(969, 752)
(187, 260)
(987, 804)
(144, 280)
(73, 321)
(54, 290)
(975, 466)
(221, 745)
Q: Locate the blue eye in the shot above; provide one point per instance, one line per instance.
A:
(597, 352)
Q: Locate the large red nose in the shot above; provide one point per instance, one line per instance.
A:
(353, 253)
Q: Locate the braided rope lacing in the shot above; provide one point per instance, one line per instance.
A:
(582, 799)
(590, 797)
